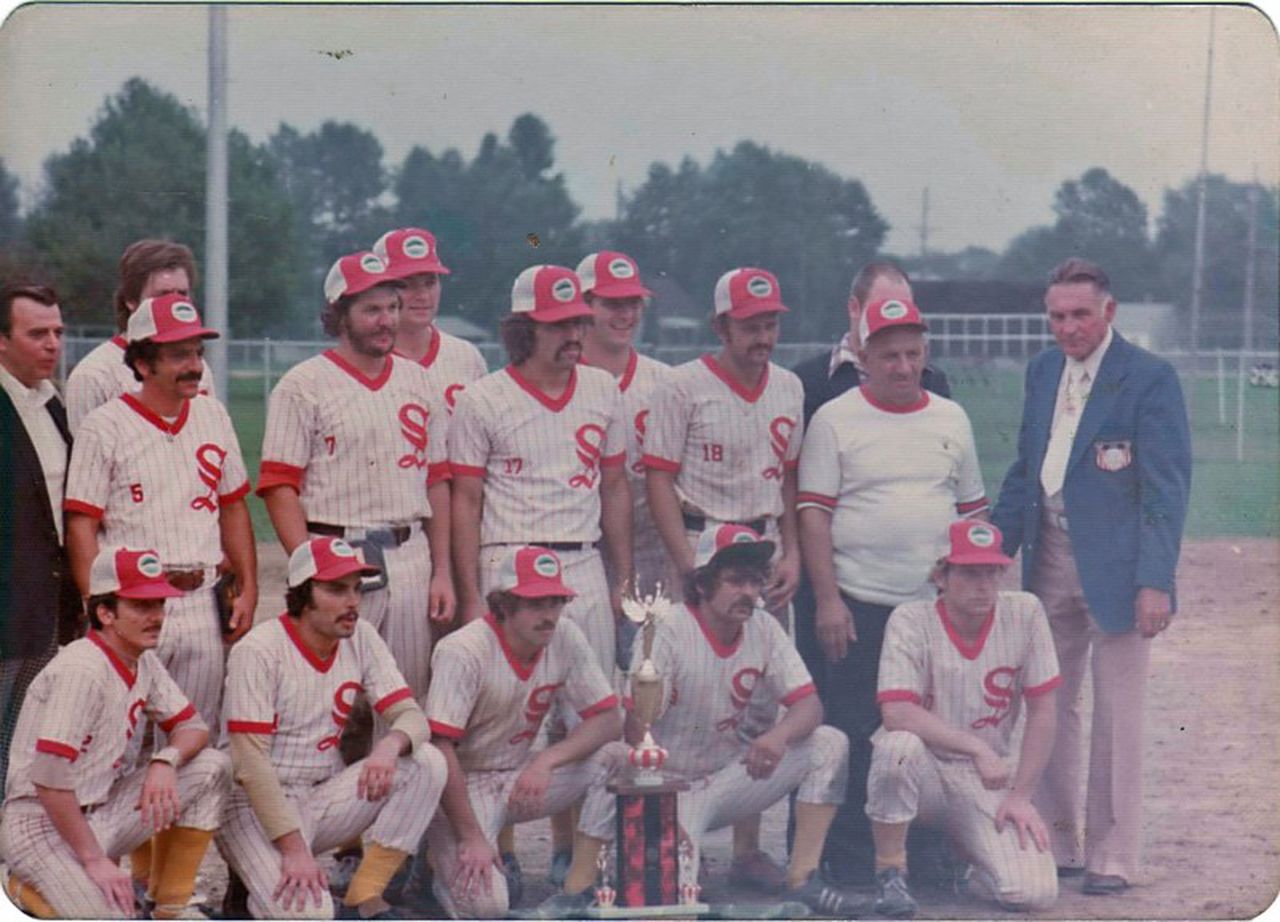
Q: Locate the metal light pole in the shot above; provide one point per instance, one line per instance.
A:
(215, 201)
(1197, 269)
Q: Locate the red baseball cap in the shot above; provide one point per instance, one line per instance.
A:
(326, 559)
(532, 572)
(609, 274)
(409, 251)
(354, 273)
(746, 292)
(167, 319)
(549, 294)
(130, 575)
(976, 542)
(894, 312)
(724, 541)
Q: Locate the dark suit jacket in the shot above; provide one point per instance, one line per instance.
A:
(38, 599)
(819, 388)
(1127, 483)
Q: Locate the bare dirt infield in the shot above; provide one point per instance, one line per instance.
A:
(1212, 836)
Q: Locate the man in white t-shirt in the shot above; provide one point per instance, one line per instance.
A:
(954, 676)
(884, 469)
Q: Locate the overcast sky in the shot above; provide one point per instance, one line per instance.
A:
(990, 108)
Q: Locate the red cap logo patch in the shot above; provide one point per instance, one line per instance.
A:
(621, 269)
(545, 565)
(759, 287)
(340, 548)
(564, 291)
(416, 248)
(981, 536)
(893, 310)
(184, 312)
(372, 264)
(149, 565)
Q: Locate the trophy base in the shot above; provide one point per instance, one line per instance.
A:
(672, 911)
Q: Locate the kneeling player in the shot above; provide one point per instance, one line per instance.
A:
(492, 683)
(291, 684)
(953, 675)
(77, 800)
(716, 654)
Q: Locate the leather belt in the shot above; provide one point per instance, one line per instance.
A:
(699, 523)
(186, 580)
(389, 536)
(561, 545)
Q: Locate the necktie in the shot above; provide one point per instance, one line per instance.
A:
(1065, 422)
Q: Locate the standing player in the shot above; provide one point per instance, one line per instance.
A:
(494, 682)
(148, 269)
(723, 445)
(291, 686)
(77, 799)
(953, 677)
(612, 288)
(162, 468)
(355, 448)
(451, 363)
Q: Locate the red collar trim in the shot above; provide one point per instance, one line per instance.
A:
(120, 341)
(433, 350)
(891, 408)
(372, 384)
(318, 664)
(554, 404)
(734, 384)
(156, 420)
(522, 670)
(127, 675)
(968, 651)
(628, 373)
(722, 650)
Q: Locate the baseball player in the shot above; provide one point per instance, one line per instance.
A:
(954, 674)
(723, 444)
(148, 269)
(355, 448)
(612, 288)
(451, 362)
(291, 685)
(494, 682)
(162, 468)
(78, 799)
(714, 655)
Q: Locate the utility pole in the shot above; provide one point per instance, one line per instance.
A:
(1197, 267)
(1246, 341)
(215, 201)
(924, 224)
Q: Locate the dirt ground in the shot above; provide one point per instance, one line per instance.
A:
(1212, 837)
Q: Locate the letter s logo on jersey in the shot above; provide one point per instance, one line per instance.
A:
(743, 684)
(344, 699)
(451, 396)
(209, 459)
(779, 439)
(413, 426)
(590, 444)
(535, 709)
(642, 419)
(999, 687)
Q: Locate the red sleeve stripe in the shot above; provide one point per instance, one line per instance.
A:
(393, 698)
(661, 464)
(614, 460)
(273, 474)
(897, 694)
(804, 691)
(1035, 691)
(226, 499)
(466, 470)
(440, 471)
(185, 714)
(791, 465)
(818, 499)
(972, 506)
(54, 748)
(445, 730)
(607, 704)
(251, 726)
(75, 505)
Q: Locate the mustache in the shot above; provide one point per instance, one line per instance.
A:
(189, 376)
(546, 624)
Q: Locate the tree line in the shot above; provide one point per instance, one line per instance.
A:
(299, 200)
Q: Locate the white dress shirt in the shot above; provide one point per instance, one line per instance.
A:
(1073, 393)
(33, 410)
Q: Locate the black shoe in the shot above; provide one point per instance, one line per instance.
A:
(824, 899)
(563, 906)
(235, 902)
(1064, 871)
(1103, 884)
(893, 899)
(514, 874)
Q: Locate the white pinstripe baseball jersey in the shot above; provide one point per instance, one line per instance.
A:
(492, 705)
(707, 685)
(155, 483)
(638, 384)
(360, 451)
(893, 481)
(277, 685)
(451, 364)
(88, 707)
(977, 687)
(102, 375)
(727, 446)
(540, 457)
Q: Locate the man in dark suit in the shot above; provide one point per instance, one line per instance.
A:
(38, 602)
(1096, 501)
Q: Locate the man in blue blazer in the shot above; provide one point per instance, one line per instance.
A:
(1096, 501)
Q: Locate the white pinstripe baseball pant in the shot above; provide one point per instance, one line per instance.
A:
(908, 782)
(331, 814)
(39, 855)
(191, 650)
(489, 793)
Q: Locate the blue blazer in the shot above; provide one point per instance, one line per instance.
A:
(1127, 482)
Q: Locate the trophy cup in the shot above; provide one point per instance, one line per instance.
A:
(652, 875)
